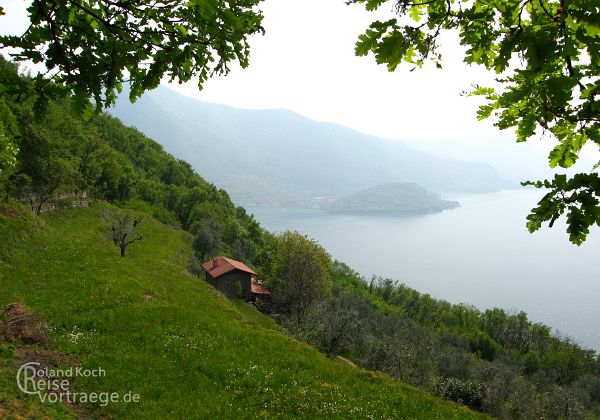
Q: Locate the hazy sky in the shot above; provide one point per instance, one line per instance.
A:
(305, 62)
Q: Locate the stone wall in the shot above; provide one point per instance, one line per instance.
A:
(228, 284)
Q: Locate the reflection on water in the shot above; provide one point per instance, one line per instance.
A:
(479, 254)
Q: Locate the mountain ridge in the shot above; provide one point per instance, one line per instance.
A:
(279, 157)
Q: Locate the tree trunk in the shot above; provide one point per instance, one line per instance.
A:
(123, 250)
(38, 210)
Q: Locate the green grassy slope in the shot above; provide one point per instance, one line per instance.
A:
(164, 334)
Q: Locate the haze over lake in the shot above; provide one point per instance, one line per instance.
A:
(480, 254)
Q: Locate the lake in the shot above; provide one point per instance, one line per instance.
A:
(479, 254)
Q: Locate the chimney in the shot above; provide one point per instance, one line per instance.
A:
(215, 263)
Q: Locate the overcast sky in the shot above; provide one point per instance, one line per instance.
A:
(305, 62)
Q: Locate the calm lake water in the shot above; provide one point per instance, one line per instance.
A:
(480, 254)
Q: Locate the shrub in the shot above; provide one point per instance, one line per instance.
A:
(467, 392)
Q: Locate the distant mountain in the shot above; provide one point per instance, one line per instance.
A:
(395, 198)
(518, 161)
(278, 157)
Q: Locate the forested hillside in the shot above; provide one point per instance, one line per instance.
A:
(60, 153)
(160, 333)
(177, 338)
(394, 199)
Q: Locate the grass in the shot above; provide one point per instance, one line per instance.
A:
(161, 333)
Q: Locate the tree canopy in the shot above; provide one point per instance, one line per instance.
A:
(91, 48)
(546, 54)
(208, 238)
(8, 149)
(301, 273)
(60, 154)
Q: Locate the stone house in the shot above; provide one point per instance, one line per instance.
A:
(234, 279)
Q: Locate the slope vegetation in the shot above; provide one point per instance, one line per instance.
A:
(167, 336)
(394, 198)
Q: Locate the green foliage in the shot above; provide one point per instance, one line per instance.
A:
(547, 54)
(241, 249)
(530, 363)
(491, 360)
(8, 148)
(381, 325)
(301, 273)
(61, 153)
(465, 392)
(578, 196)
(185, 350)
(208, 238)
(483, 345)
(93, 48)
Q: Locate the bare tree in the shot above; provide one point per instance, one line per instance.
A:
(121, 228)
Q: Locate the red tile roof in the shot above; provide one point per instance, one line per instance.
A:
(256, 287)
(221, 265)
